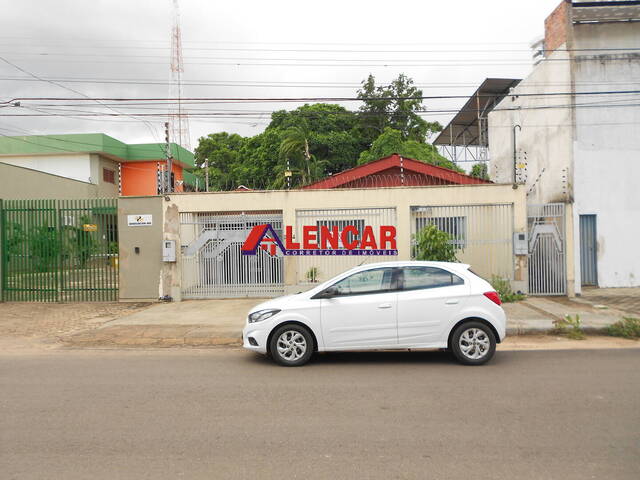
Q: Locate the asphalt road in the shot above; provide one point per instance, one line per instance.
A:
(229, 414)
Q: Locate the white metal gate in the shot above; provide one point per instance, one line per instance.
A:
(213, 265)
(482, 234)
(314, 269)
(547, 267)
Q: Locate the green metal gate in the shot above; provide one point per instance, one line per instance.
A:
(59, 250)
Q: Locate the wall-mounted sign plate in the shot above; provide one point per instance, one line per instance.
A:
(90, 227)
(139, 220)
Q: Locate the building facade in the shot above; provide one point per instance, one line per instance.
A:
(87, 166)
(570, 134)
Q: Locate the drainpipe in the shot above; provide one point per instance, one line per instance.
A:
(515, 152)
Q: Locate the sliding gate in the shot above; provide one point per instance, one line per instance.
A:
(59, 250)
(213, 265)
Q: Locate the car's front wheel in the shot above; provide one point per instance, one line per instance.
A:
(473, 343)
(291, 345)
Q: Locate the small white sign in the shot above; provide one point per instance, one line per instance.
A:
(139, 220)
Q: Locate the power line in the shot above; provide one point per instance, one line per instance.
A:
(69, 89)
(317, 99)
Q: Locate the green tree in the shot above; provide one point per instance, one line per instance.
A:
(479, 170)
(391, 141)
(223, 152)
(435, 245)
(396, 106)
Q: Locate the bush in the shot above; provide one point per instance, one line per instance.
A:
(570, 326)
(503, 287)
(312, 274)
(628, 327)
(435, 245)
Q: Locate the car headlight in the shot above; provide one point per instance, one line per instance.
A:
(261, 315)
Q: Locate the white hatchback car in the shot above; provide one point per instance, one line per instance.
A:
(383, 306)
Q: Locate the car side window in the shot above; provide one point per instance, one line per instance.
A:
(428, 277)
(369, 281)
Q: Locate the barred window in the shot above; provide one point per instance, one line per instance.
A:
(108, 176)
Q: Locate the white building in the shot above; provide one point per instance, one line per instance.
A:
(570, 134)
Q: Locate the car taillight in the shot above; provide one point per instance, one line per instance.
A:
(494, 297)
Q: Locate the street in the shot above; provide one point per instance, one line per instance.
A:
(232, 414)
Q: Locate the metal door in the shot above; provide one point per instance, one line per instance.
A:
(212, 262)
(547, 268)
(588, 250)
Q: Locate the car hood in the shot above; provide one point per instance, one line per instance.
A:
(279, 302)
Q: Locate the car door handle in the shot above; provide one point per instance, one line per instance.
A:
(384, 305)
(452, 301)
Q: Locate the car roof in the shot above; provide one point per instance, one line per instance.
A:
(413, 263)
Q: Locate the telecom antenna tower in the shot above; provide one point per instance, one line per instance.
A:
(178, 120)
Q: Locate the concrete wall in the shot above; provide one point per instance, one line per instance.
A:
(140, 273)
(20, 183)
(607, 152)
(289, 202)
(57, 176)
(544, 140)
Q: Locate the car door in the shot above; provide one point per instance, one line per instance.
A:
(428, 299)
(362, 312)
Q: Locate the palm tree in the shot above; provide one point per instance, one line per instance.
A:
(295, 147)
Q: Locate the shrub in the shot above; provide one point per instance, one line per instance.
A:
(435, 245)
(628, 327)
(312, 274)
(503, 287)
(570, 326)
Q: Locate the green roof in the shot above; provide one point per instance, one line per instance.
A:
(92, 143)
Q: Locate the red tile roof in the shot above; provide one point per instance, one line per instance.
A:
(400, 171)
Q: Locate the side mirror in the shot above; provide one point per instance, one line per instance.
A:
(329, 292)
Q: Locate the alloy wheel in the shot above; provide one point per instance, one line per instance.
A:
(474, 343)
(291, 345)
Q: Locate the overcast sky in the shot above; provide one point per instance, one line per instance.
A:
(324, 49)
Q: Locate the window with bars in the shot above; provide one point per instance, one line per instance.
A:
(341, 224)
(108, 176)
(456, 227)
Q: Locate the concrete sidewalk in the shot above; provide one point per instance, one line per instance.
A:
(220, 322)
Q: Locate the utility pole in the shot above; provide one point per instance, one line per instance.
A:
(167, 180)
(206, 174)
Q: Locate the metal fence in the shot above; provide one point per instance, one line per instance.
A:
(59, 250)
(314, 269)
(213, 265)
(547, 262)
(481, 234)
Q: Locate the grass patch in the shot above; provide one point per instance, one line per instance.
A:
(628, 327)
(570, 326)
(503, 287)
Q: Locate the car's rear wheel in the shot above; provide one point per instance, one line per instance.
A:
(473, 343)
(291, 345)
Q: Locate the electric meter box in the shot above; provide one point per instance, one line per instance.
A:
(520, 244)
(168, 250)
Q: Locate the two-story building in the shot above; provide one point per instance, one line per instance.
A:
(88, 166)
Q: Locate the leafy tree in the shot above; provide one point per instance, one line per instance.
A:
(332, 145)
(223, 152)
(391, 142)
(435, 245)
(396, 106)
(479, 170)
